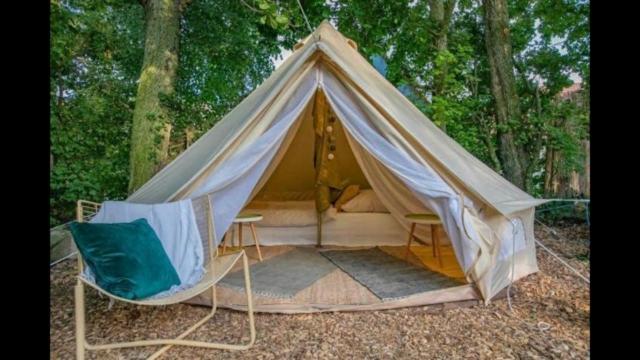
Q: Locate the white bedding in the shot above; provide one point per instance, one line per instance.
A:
(347, 229)
(288, 213)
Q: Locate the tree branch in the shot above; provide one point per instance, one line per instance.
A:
(487, 140)
(250, 7)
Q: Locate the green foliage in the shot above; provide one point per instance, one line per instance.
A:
(95, 56)
(555, 213)
(271, 15)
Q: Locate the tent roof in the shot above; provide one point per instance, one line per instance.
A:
(444, 152)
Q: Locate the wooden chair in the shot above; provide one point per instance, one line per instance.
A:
(240, 220)
(217, 268)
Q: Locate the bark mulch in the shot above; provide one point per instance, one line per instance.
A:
(550, 320)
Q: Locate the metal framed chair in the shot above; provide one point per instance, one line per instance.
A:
(217, 268)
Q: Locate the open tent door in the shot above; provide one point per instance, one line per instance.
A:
(337, 165)
(315, 162)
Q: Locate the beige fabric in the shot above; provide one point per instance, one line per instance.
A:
(293, 176)
(491, 202)
(458, 293)
(398, 199)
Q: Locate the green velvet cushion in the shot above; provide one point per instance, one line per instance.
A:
(127, 259)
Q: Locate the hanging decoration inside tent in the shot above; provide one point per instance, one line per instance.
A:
(329, 183)
(332, 138)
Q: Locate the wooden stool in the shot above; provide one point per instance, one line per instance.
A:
(425, 219)
(242, 219)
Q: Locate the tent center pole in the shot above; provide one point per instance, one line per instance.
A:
(319, 228)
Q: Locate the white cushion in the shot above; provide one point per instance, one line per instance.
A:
(365, 201)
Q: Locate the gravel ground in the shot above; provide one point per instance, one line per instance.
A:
(550, 320)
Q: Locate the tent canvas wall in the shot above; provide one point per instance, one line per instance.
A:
(410, 163)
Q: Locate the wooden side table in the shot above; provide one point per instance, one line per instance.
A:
(425, 219)
(240, 220)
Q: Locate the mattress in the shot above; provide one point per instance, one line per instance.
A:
(288, 213)
(346, 229)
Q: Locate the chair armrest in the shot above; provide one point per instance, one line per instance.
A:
(86, 209)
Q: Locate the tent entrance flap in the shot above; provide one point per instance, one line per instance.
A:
(232, 182)
(378, 141)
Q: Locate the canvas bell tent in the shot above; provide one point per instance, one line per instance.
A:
(326, 119)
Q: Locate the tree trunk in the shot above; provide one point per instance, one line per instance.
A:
(548, 172)
(503, 88)
(151, 130)
(440, 14)
(586, 176)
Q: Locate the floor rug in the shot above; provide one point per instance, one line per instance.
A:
(283, 276)
(387, 276)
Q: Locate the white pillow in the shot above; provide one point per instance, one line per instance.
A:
(365, 201)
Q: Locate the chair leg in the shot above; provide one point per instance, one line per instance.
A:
(229, 238)
(437, 245)
(240, 234)
(214, 306)
(224, 241)
(413, 227)
(433, 240)
(80, 312)
(255, 239)
(247, 285)
(233, 235)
